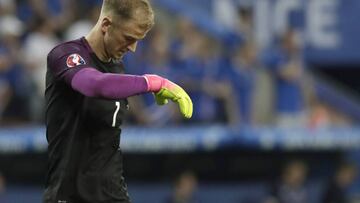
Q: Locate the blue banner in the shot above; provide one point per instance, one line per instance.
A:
(200, 138)
(329, 28)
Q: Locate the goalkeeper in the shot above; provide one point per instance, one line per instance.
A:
(86, 91)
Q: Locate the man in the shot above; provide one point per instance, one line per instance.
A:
(336, 190)
(184, 189)
(86, 93)
(291, 187)
(287, 67)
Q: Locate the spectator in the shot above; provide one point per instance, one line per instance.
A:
(241, 72)
(197, 55)
(287, 67)
(14, 87)
(291, 188)
(13, 91)
(83, 24)
(185, 187)
(335, 191)
(37, 45)
(5, 89)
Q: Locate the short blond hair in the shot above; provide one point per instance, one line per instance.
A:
(127, 9)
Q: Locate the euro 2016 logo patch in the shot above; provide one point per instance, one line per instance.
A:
(75, 60)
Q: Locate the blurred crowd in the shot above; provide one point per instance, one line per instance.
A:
(230, 81)
(292, 185)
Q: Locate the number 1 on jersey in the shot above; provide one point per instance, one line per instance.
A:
(115, 113)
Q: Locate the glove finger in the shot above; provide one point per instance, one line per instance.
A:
(169, 94)
(185, 104)
(184, 107)
(160, 100)
(189, 104)
(190, 110)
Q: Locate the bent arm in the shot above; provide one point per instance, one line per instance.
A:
(93, 83)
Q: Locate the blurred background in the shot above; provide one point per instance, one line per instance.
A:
(275, 86)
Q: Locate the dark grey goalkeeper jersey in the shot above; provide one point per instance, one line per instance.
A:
(85, 161)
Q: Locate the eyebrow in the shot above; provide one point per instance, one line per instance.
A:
(134, 36)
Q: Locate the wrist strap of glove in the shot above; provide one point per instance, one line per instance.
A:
(154, 82)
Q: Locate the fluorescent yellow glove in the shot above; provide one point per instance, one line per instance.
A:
(178, 95)
(164, 90)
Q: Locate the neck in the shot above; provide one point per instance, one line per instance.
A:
(96, 42)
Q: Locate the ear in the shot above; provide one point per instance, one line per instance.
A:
(106, 23)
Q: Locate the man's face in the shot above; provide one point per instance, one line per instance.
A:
(123, 37)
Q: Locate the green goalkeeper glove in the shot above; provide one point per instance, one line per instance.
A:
(164, 90)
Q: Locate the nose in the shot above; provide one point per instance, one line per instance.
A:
(132, 47)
